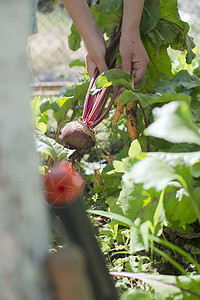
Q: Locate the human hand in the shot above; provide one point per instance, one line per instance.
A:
(134, 56)
(90, 33)
(95, 54)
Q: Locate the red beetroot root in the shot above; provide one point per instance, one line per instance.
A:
(77, 135)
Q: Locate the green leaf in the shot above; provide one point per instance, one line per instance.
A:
(151, 15)
(195, 250)
(112, 202)
(74, 39)
(45, 103)
(144, 231)
(112, 182)
(152, 172)
(158, 210)
(37, 115)
(156, 38)
(149, 99)
(111, 77)
(132, 200)
(179, 208)
(64, 103)
(172, 287)
(195, 170)
(136, 238)
(113, 216)
(138, 204)
(107, 15)
(189, 42)
(119, 166)
(50, 147)
(173, 159)
(127, 96)
(54, 106)
(157, 174)
(184, 80)
(167, 286)
(44, 145)
(166, 87)
(77, 62)
(159, 66)
(174, 123)
(136, 295)
(168, 32)
(135, 149)
(76, 91)
(70, 95)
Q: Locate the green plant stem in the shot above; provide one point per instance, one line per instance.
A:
(171, 260)
(156, 218)
(177, 249)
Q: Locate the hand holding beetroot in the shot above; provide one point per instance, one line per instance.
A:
(132, 49)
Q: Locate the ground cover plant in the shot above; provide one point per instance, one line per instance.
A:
(142, 194)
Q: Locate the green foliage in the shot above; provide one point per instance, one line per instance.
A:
(160, 28)
(146, 175)
(174, 123)
(142, 191)
(74, 39)
(166, 287)
(110, 78)
(39, 119)
(46, 145)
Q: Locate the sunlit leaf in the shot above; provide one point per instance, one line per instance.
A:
(47, 145)
(174, 123)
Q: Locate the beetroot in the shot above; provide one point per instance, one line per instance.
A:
(80, 134)
(77, 135)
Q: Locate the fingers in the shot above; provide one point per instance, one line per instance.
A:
(126, 62)
(134, 58)
(92, 64)
(102, 66)
(139, 69)
(135, 69)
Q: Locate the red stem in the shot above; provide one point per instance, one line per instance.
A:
(94, 104)
(102, 105)
(88, 96)
(94, 124)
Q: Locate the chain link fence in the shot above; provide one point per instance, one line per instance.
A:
(48, 51)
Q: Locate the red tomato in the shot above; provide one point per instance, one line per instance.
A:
(62, 185)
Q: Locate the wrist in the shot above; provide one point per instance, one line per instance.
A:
(131, 35)
(132, 14)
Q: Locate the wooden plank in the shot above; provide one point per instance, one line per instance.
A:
(49, 88)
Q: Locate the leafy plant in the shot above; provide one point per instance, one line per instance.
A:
(161, 27)
(145, 185)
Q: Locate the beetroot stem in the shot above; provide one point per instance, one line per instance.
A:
(101, 106)
(96, 105)
(89, 96)
(94, 124)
